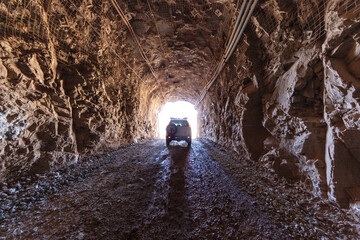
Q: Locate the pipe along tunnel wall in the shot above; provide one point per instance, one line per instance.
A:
(73, 83)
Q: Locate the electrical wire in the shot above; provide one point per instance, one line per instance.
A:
(246, 11)
(125, 20)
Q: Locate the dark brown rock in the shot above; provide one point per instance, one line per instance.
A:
(75, 83)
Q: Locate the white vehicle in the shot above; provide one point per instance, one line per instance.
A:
(178, 129)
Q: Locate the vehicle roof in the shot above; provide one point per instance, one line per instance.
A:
(178, 120)
(185, 118)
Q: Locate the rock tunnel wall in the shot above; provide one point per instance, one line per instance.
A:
(73, 83)
(288, 98)
(69, 85)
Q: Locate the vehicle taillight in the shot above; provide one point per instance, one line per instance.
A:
(169, 137)
(189, 126)
(188, 136)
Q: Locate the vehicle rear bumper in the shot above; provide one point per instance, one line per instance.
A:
(178, 138)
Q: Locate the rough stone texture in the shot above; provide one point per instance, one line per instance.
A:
(53, 113)
(288, 98)
(73, 81)
(294, 106)
(342, 113)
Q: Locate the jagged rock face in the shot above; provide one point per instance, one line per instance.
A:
(52, 113)
(295, 105)
(288, 97)
(73, 81)
(51, 118)
(342, 113)
(181, 39)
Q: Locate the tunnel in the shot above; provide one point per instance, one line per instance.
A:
(275, 84)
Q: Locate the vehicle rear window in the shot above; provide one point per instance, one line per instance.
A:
(180, 123)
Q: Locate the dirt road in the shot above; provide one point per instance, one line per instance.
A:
(149, 191)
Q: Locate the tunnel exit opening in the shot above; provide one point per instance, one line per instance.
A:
(179, 109)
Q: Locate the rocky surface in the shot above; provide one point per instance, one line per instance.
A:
(50, 118)
(54, 112)
(202, 192)
(288, 97)
(74, 83)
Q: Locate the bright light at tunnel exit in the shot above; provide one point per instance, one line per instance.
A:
(178, 109)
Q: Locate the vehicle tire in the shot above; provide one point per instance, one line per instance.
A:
(168, 142)
(171, 129)
(189, 143)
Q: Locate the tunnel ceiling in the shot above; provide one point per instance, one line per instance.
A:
(74, 80)
(182, 39)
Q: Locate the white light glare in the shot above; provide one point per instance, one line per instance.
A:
(178, 109)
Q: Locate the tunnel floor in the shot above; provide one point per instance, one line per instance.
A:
(149, 191)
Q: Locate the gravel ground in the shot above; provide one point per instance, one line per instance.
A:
(149, 191)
